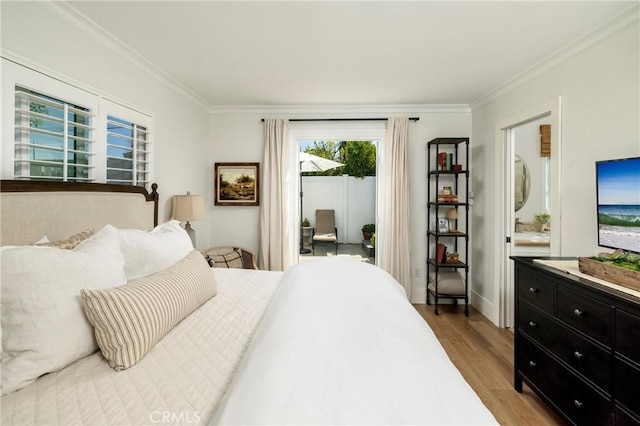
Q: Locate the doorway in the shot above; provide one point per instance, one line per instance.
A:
(315, 196)
(547, 194)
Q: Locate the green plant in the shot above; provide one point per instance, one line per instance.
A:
(369, 227)
(373, 240)
(306, 223)
(543, 218)
(620, 258)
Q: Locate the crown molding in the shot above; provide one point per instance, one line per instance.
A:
(87, 25)
(628, 17)
(336, 110)
(65, 10)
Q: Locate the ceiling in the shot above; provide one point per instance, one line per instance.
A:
(238, 53)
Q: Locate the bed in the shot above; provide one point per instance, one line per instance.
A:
(327, 342)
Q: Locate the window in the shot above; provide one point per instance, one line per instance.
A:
(59, 131)
(127, 152)
(53, 138)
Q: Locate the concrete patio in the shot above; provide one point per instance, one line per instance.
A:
(344, 249)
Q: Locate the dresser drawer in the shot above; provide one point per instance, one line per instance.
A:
(536, 290)
(587, 315)
(536, 367)
(628, 335)
(627, 379)
(536, 324)
(589, 359)
(625, 419)
(581, 403)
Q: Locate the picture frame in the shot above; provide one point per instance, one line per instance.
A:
(237, 184)
(443, 225)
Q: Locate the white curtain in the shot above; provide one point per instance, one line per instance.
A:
(278, 208)
(393, 204)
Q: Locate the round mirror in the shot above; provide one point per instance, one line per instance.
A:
(522, 183)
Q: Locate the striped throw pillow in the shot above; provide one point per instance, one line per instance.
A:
(129, 320)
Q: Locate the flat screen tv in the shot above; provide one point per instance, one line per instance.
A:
(618, 199)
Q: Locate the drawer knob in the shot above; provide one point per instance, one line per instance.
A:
(577, 403)
(577, 312)
(577, 354)
(532, 324)
(533, 290)
(532, 364)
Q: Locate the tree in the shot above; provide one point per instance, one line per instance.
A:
(328, 150)
(358, 157)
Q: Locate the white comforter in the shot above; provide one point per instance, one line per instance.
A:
(340, 344)
(180, 381)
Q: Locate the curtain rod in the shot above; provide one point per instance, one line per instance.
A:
(345, 119)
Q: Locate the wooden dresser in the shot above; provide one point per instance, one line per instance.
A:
(577, 345)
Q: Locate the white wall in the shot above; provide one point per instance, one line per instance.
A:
(238, 137)
(599, 87)
(353, 199)
(38, 34)
(600, 93)
(234, 138)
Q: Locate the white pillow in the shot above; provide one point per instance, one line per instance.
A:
(148, 252)
(43, 324)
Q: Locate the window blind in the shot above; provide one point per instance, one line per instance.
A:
(128, 157)
(54, 139)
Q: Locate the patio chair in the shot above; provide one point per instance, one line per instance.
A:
(325, 230)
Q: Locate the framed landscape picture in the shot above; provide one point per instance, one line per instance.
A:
(237, 184)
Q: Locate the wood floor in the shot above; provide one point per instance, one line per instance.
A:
(484, 355)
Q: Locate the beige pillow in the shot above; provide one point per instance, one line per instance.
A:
(449, 282)
(129, 320)
(71, 242)
(224, 257)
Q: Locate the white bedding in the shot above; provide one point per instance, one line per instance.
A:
(340, 344)
(180, 381)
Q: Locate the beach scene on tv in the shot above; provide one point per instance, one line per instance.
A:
(619, 204)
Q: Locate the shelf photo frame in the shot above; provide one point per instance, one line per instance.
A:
(237, 184)
(443, 225)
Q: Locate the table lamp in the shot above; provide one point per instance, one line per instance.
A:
(186, 208)
(452, 215)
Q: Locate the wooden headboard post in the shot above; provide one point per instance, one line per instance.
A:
(78, 204)
(156, 201)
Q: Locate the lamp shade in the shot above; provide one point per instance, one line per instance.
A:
(452, 214)
(188, 207)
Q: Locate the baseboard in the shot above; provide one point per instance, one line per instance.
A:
(419, 295)
(484, 306)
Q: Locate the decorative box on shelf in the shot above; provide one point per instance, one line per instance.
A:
(447, 199)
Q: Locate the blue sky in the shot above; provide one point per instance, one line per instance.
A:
(305, 144)
(619, 182)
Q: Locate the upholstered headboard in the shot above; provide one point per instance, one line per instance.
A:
(33, 209)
